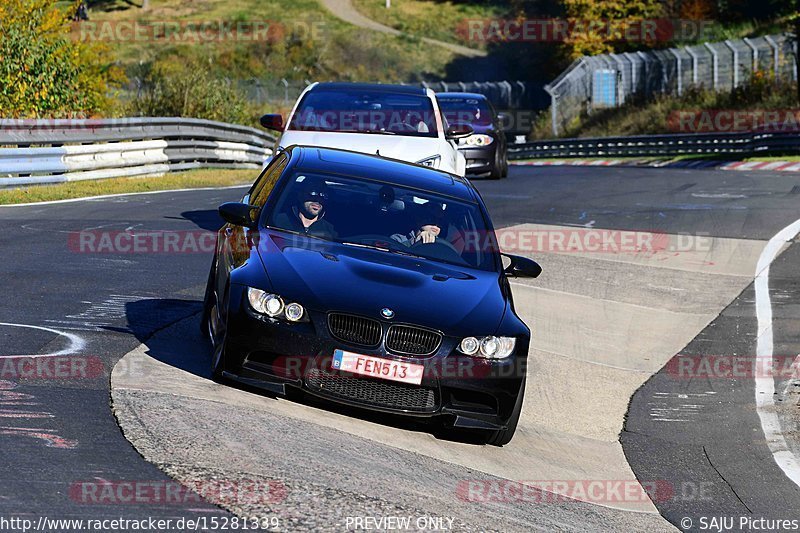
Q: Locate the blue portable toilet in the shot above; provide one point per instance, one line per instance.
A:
(604, 88)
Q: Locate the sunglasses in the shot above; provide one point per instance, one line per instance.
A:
(317, 196)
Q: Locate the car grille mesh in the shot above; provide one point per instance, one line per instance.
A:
(412, 340)
(355, 329)
(377, 393)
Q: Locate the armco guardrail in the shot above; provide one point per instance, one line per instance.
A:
(741, 143)
(56, 151)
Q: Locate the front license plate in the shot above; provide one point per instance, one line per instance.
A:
(377, 367)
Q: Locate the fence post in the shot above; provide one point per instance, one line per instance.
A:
(285, 90)
(553, 109)
(714, 63)
(775, 54)
(645, 72)
(634, 81)
(729, 44)
(694, 64)
(678, 70)
(754, 48)
(621, 92)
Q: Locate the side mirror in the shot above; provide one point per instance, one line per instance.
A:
(238, 214)
(504, 119)
(522, 267)
(272, 122)
(458, 131)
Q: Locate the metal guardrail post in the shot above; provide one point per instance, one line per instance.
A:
(678, 70)
(729, 44)
(775, 54)
(714, 64)
(754, 48)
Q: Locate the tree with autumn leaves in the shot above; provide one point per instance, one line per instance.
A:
(44, 70)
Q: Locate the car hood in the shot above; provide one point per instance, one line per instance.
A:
(402, 147)
(326, 276)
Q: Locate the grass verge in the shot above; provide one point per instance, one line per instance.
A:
(444, 21)
(80, 189)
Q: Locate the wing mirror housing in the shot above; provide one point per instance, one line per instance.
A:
(272, 121)
(522, 267)
(239, 214)
(458, 131)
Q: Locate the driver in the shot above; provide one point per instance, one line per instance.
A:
(429, 222)
(308, 211)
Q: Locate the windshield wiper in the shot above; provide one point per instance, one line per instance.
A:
(378, 132)
(383, 249)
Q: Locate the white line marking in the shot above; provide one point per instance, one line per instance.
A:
(101, 197)
(765, 385)
(76, 343)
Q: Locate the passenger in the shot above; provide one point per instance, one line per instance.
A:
(307, 214)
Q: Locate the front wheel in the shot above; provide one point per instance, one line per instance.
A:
(504, 436)
(497, 165)
(216, 326)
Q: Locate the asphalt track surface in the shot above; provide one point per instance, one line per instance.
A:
(57, 434)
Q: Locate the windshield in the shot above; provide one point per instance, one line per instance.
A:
(389, 218)
(365, 111)
(472, 111)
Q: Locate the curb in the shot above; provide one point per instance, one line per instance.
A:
(774, 166)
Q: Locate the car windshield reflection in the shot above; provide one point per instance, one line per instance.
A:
(389, 218)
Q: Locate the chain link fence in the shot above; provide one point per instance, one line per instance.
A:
(609, 80)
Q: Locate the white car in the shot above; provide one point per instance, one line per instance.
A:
(396, 121)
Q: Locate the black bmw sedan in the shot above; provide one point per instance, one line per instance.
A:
(486, 149)
(369, 282)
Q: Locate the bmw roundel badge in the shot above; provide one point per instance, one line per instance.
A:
(387, 313)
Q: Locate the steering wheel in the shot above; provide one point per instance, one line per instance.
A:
(444, 245)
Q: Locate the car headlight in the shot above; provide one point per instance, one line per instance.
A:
(273, 306)
(432, 161)
(478, 139)
(490, 347)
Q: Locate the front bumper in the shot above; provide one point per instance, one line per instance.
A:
(275, 355)
(480, 160)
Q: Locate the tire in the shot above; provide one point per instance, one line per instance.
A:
(204, 331)
(217, 327)
(505, 167)
(504, 436)
(497, 166)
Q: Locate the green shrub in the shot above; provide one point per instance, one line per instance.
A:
(46, 73)
(175, 88)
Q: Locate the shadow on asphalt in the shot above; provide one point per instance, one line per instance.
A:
(185, 348)
(207, 219)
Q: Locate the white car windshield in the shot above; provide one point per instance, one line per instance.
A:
(365, 111)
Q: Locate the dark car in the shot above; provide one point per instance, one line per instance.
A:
(486, 149)
(370, 282)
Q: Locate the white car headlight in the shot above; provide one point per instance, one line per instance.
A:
(478, 139)
(273, 306)
(490, 347)
(432, 161)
